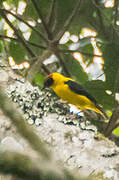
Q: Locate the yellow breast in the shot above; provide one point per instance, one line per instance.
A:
(63, 91)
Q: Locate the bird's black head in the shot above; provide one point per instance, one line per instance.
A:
(48, 81)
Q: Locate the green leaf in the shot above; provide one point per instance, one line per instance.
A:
(30, 11)
(17, 51)
(35, 38)
(12, 2)
(116, 131)
(75, 68)
(84, 17)
(38, 80)
(64, 9)
(111, 66)
(41, 4)
(98, 89)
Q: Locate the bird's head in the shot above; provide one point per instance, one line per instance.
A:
(48, 81)
(53, 79)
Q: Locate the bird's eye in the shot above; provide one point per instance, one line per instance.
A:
(48, 82)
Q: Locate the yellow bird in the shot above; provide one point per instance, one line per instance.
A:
(72, 92)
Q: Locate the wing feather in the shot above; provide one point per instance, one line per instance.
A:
(78, 89)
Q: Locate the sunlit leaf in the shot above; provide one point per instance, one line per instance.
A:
(116, 131)
(39, 80)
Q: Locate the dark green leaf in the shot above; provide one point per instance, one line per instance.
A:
(75, 68)
(98, 89)
(37, 40)
(111, 66)
(17, 51)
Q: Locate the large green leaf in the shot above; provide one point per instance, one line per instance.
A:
(64, 10)
(17, 51)
(75, 68)
(38, 80)
(111, 66)
(42, 5)
(30, 11)
(98, 89)
(84, 16)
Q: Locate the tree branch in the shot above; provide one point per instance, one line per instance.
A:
(101, 16)
(68, 21)
(112, 122)
(42, 19)
(51, 12)
(33, 44)
(59, 56)
(10, 111)
(25, 22)
(17, 34)
(22, 166)
(35, 68)
(28, 42)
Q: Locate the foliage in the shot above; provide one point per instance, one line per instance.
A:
(51, 19)
(57, 17)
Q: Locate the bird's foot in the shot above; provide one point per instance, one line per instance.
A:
(73, 115)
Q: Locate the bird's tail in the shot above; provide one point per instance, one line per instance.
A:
(98, 110)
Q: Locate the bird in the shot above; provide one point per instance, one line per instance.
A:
(72, 92)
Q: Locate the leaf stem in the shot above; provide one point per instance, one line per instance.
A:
(28, 42)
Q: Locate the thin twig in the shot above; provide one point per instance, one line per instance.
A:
(35, 68)
(101, 17)
(100, 75)
(21, 39)
(51, 12)
(28, 42)
(68, 21)
(25, 22)
(59, 56)
(42, 19)
(82, 52)
(33, 44)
